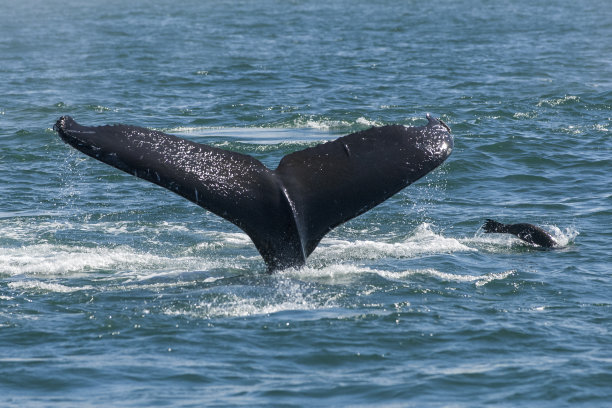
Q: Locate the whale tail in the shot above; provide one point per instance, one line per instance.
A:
(527, 232)
(494, 226)
(286, 211)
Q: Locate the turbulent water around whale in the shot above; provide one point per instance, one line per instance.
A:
(116, 292)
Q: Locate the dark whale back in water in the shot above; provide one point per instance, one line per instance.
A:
(285, 211)
(527, 232)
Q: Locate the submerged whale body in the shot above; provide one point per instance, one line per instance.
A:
(527, 232)
(287, 211)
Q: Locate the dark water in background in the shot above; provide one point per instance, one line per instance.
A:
(115, 292)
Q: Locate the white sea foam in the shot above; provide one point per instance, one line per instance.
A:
(322, 124)
(38, 256)
(559, 101)
(25, 231)
(283, 295)
(344, 274)
(492, 241)
(573, 129)
(327, 124)
(367, 122)
(525, 115)
(240, 307)
(232, 238)
(563, 237)
(478, 280)
(41, 286)
(336, 260)
(423, 241)
(61, 260)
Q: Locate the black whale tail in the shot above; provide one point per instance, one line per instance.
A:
(527, 232)
(287, 211)
(494, 226)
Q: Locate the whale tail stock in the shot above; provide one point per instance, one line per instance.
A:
(287, 211)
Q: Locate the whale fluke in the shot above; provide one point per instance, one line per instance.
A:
(285, 211)
(527, 232)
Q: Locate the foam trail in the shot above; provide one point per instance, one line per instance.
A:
(40, 286)
(423, 241)
(50, 260)
(274, 295)
(345, 274)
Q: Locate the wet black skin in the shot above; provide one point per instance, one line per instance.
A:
(285, 211)
(527, 232)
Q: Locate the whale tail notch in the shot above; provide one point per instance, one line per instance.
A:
(286, 211)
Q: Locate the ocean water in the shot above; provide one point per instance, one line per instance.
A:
(115, 292)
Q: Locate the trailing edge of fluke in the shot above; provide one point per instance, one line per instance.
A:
(285, 211)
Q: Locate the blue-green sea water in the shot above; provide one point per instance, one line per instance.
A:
(115, 292)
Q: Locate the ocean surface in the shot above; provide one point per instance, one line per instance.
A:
(115, 292)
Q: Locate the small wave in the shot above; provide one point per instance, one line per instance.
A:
(367, 122)
(492, 241)
(24, 230)
(231, 238)
(60, 260)
(36, 255)
(525, 115)
(451, 277)
(552, 102)
(272, 147)
(300, 122)
(100, 108)
(572, 130)
(277, 294)
(190, 129)
(323, 123)
(40, 286)
(423, 241)
(234, 306)
(344, 274)
(329, 124)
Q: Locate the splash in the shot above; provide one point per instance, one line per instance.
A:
(273, 295)
(41, 286)
(41, 254)
(122, 262)
(423, 241)
(478, 280)
(552, 102)
(564, 237)
(340, 274)
(59, 260)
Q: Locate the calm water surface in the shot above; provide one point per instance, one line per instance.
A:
(115, 292)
